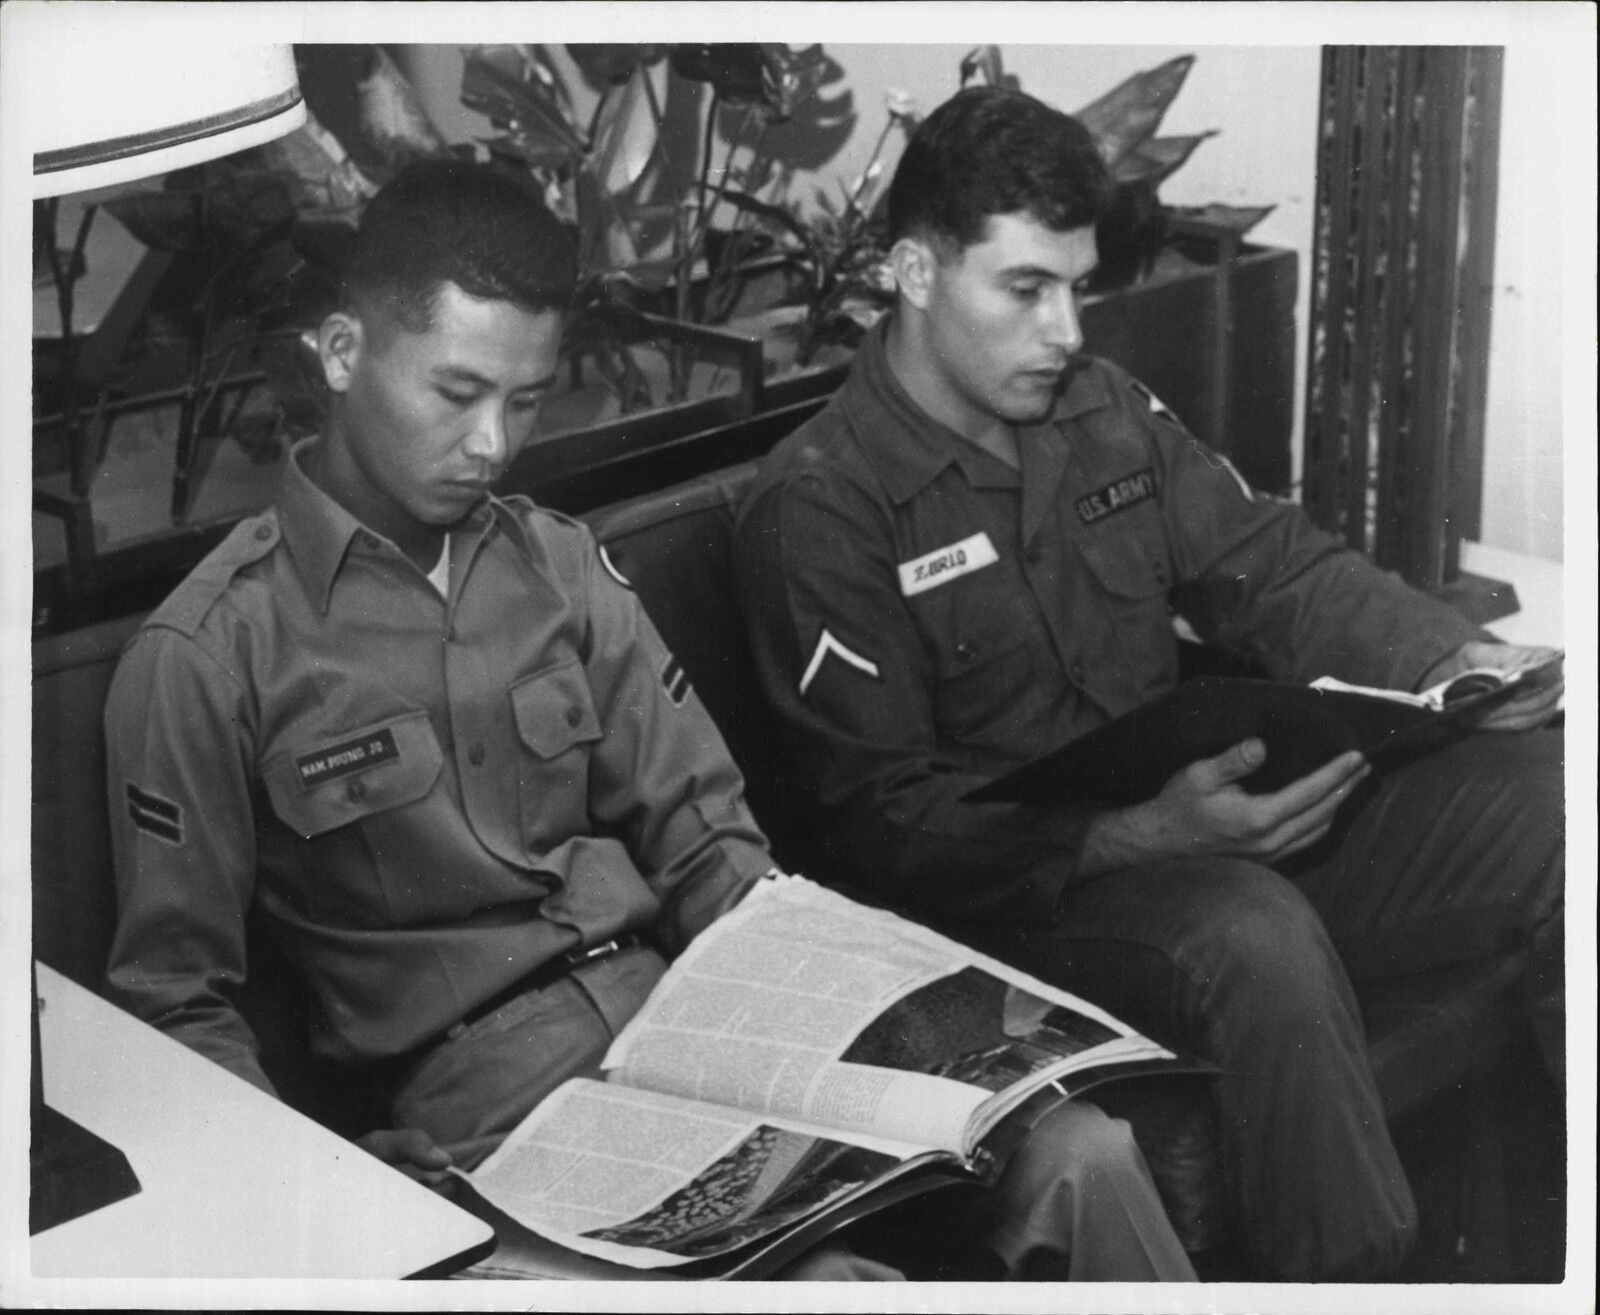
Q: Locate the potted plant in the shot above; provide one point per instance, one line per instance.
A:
(636, 373)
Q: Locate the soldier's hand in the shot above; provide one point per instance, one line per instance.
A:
(1204, 809)
(411, 1151)
(1533, 704)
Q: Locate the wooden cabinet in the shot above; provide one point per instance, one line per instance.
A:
(1215, 341)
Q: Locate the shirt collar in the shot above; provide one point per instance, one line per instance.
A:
(320, 533)
(908, 447)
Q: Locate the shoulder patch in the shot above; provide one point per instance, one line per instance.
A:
(611, 568)
(1217, 461)
(1156, 405)
(186, 607)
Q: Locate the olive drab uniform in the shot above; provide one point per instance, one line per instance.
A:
(925, 617)
(429, 797)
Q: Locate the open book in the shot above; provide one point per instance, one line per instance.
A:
(806, 1060)
(1128, 760)
(1478, 688)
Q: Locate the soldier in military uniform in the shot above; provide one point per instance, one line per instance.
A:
(434, 739)
(972, 555)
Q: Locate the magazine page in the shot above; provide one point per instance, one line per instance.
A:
(806, 1004)
(649, 1180)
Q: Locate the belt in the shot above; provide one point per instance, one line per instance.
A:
(546, 974)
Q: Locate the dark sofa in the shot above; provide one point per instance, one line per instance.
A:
(1430, 1034)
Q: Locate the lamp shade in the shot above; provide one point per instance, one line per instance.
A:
(113, 113)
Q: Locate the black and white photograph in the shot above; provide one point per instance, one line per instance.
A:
(862, 608)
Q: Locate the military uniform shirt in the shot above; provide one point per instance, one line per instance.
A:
(925, 616)
(427, 797)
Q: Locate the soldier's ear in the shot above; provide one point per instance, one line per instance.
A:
(339, 343)
(915, 265)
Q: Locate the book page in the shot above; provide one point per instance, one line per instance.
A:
(650, 1180)
(803, 1003)
(1468, 684)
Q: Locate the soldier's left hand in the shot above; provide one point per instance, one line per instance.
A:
(1525, 709)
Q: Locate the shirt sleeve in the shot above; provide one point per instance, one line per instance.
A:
(1258, 577)
(841, 661)
(662, 779)
(179, 739)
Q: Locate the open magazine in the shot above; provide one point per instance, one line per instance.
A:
(806, 1059)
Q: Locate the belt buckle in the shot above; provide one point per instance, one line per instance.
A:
(601, 951)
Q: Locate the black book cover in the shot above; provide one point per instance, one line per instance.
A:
(1128, 760)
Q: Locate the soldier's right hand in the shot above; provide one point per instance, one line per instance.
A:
(411, 1151)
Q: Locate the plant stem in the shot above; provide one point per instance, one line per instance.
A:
(723, 278)
(706, 141)
(851, 207)
(722, 190)
(659, 117)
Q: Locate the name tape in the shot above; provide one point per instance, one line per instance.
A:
(945, 564)
(342, 759)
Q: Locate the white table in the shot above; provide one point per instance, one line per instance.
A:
(235, 1183)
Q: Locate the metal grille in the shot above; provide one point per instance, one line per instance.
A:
(1402, 276)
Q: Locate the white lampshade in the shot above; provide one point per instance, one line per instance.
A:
(103, 114)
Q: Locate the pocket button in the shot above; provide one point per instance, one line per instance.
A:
(355, 792)
(476, 755)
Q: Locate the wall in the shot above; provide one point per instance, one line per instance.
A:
(1523, 485)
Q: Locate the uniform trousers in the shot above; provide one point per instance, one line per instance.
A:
(1451, 858)
(1075, 1200)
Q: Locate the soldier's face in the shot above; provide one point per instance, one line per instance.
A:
(1002, 317)
(429, 421)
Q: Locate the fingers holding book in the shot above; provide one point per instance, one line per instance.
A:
(1535, 670)
(1204, 808)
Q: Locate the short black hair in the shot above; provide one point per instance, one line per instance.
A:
(444, 219)
(994, 151)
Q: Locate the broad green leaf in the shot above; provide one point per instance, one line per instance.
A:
(1157, 158)
(625, 136)
(392, 116)
(1132, 110)
(506, 84)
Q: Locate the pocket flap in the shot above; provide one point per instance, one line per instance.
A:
(1126, 567)
(554, 710)
(342, 778)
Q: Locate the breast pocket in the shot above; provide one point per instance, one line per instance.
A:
(1134, 652)
(339, 779)
(1132, 572)
(988, 641)
(558, 727)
